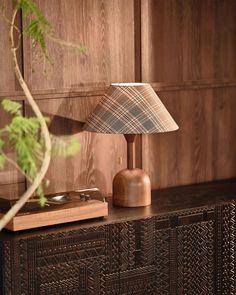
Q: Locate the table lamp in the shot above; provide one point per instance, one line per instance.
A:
(130, 109)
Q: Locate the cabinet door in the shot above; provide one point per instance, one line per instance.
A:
(195, 258)
(67, 263)
(144, 258)
(73, 264)
(203, 253)
(158, 255)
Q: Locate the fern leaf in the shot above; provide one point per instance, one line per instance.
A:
(11, 107)
(2, 162)
(40, 194)
(64, 146)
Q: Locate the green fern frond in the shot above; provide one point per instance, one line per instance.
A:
(64, 146)
(36, 25)
(2, 162)
(40, 194)
(12, 107)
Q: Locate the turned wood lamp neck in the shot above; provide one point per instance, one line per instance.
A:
(130, 138)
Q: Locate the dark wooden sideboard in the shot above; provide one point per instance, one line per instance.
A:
(184, 243)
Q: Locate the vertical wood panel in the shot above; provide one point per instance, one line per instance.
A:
(184, 156)
(188, 40)
(8, 81)
(12, 191)
(9, 176)
(94, 166)
(105, 28)
(12, 182)
(224, 133)
(99, 158)
(191, 42)
(203, 149)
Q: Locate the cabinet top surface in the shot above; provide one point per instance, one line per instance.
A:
(164, 202)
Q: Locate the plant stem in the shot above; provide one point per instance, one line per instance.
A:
(13, 163)
(45, 133)
(65, 43)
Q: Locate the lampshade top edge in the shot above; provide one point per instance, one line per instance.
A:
(129, 84)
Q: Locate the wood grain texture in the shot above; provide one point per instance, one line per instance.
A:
(224, 133)
(95, 165)
(101, 155)
(67, 213)
(8, 81)
(12, 182)
(188, 53)
(186, 49)
(188, 40)
(97, 25)
(203, 149)
(157, 249)
(12, 191)
(9, 174)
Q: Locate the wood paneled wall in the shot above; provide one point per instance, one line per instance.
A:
(185, 48)
(189, 55)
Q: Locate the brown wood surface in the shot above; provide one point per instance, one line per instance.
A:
(105, 28)
(186, 49)
(131, 188)
(12, 191)
(188, 53)
(9, 175)
(8, 81)
(183, 243)
(101, 155)
(164, 202)
(12, 182)
(188, 40)
(203, 149)
(65, 213)
(224, 133)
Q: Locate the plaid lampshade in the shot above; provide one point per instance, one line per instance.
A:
(130, 108)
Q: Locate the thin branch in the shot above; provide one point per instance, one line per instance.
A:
(66, 44)
(45, 133)
(14, 164)
(7, 20)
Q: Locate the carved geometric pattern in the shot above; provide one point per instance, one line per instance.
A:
(127, 245)
(78, 277)
(162, 261)
(74, 264)
(218, 249)
(138, 281)
(228, 249)
(113, 283)
(196, 258)
(23, 269)
(6, 264)
(185, 212)
(113, 248)
(147, 241)
(164, 254)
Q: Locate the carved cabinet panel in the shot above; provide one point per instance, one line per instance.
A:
(186, 252)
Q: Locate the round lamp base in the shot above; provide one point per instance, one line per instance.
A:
(131, 188)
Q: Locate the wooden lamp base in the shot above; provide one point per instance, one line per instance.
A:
(131, 188)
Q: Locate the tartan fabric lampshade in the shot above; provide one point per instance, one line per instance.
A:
(130, 109)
